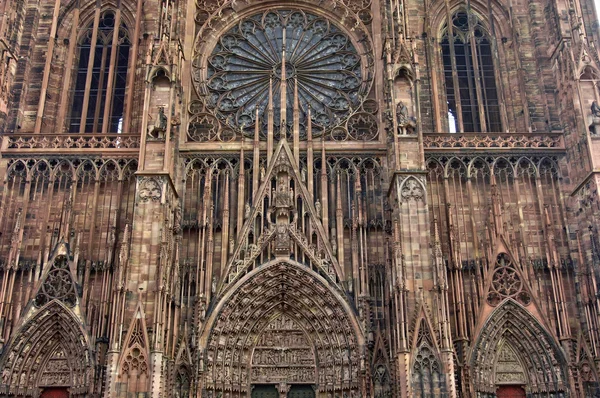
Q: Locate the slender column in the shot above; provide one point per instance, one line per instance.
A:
(225, 229)
(111, 74)
(309, 158)
(88, 266)
(255, 157)
(296, 125)
(283, 92)
(324, 187)
(49, 55)
(132, 68)
(241, 189)
(339, 220)
(270, 116)
(62, 110)
(90, 71)
(455, 81)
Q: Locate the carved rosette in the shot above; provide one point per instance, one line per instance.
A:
(150, 189)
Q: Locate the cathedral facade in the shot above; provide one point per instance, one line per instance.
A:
(299, 199)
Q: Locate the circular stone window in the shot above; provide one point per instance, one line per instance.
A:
(245, 69)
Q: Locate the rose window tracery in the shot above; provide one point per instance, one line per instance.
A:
(58, 285)
(506, 283)
(247, 64)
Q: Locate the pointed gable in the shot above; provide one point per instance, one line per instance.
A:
(281, 190)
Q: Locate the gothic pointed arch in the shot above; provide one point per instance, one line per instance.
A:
(586, 375)
(427, 374)
(183, 369)
(275, 325)
(50, 349)
(381, 373)
(134, 364)
(543, 361)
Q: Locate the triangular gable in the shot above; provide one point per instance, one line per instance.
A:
(57, 281)
(244, 253)
(136, 343)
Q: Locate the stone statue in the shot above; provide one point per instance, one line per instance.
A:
(161, 119)
(595, 109)
(246, 211)
(303, 174)
(160, 125)
(401, 113)
(262, 173)
(405, 122)
(318, 208)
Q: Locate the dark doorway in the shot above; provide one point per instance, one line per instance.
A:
(510, 392)
(301, 391)
(55, 393)
(264, 391)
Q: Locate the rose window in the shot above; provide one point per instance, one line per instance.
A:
(506, 283)
(248, 60)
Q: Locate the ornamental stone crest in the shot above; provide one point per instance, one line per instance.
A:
(150, 189)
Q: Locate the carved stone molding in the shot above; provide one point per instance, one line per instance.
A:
(150, 189)
(71, 141)
(484, 141)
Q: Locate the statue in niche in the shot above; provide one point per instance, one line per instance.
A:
(595, 122)
(157, 131)
(318, 209)
(246, 211)
(595, 109)
(406, 123)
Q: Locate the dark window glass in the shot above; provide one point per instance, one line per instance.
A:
(469, 76)
(90, 106)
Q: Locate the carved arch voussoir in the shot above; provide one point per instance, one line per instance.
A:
(282, 292)
(543, 359)
(50, 348)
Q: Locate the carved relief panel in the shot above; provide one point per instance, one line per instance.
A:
(283, 354)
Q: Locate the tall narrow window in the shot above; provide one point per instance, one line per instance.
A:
(469, 74)
(99, 91)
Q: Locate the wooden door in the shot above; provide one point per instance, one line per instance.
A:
(264, 391)
(510, 392)
(55, 393)
(301, 391)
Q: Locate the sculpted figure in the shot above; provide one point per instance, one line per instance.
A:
(595, 109)
(401, 113)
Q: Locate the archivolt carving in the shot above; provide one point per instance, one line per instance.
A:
(282, 304)
(49, 349)
(543, 359)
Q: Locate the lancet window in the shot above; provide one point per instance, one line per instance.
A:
(469, 76)
(100, 77)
